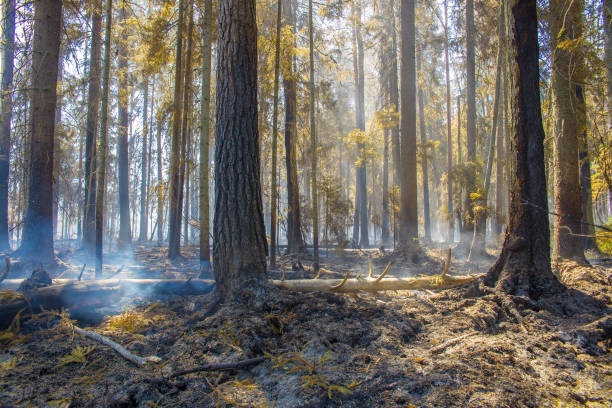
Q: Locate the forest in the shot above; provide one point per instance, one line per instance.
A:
(298, 203)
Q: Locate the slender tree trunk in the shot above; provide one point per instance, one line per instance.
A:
(125, 231)
(364, 240)
(38, 222)
(239, 245)
(313, 146)
(499, 154)
(570, 120)
(148, 185)
(93, 108)
(357, 209)
(186, 121)
(205, 138)
(449, 137)
(424, 152)
(468, 218)
(160, 179)
(385, 233)
(273, 199)
(143, 181)
(295, 241)
(174, 235)
(607, 14)
(6, 112)
(408, 187)
(523, 267)
(103, 143)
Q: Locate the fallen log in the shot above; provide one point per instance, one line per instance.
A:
(346, 285)
(84, 298)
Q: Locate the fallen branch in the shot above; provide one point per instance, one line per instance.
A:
(336, 287)
(122, 351)
(435, 282)
(219, 367)
(439, 349)
(82, 270)
(448, 261)
(382, 275)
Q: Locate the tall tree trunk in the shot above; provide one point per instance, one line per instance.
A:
(149, 157)
(295, 241)
(408, 187)
(6, 112)
(357, 208)
(385, 233)
(239, 245)
(607, 14)
(186, 120)
(174, 235)
(449, 136)
(274, 195)
(481, 210)
(424, 152)
(499, 154)
(93, 108)
(313, 145)
(205, 138)
(143, 182)
(364, 240)
(160, 179)
(570, 121)
(394, 99)
(468, 218)
(523, 267)
(38, 222)
(103, 142)
(125, 231)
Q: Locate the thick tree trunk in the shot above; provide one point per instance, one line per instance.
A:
(205, 138)
(6, 112)
(103, 143)
(174, 234)
(523, 267)
(570, 122)
(295, 241)
(143, 182)
(408, 187)
(38, 222)
(424, 152)
(239, 245)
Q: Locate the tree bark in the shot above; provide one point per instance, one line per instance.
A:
(125, 230)
(38, 222)
(523, 267)
(93, 108)
(424, 152)
(103, 143)
(205, 138)
(570, 122)
(160, 179)
(273, 181)
(313, 146)
(468, 218)
(143, 182)
(239, 245)
(408, 187)
(6, 112)
(364, 236)
(174, 234)
(449, 136)
(295, 241)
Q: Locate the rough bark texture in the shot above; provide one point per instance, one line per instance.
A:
(38, 222)
(125, 230)
(313, 145)
(174, 234)
(408, 187)
(570, 123)
(295, 241)
(103, 144)
(523, 267)
(607, 11)
(205, 136)
(6, 111)
(160, 179)
(449, 136)
(364, 240)
(239, 246)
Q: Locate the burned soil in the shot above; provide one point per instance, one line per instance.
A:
(459, 347)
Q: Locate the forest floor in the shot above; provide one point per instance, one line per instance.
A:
(461, 347)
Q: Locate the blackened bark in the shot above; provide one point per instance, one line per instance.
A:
(204, 208)
(523, 267)
(6, 112)
(38, 222)
(239, 245)
(273, 181)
